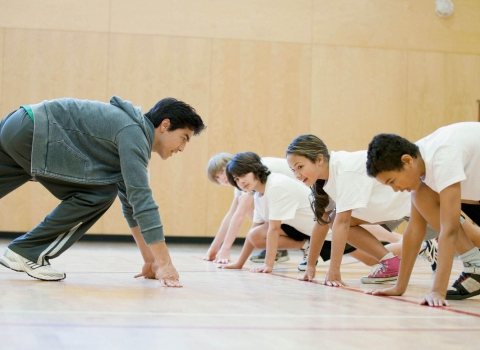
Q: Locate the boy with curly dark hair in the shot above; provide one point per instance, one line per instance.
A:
(440, 170)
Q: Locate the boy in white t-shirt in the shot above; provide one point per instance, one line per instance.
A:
(441, 171)
(241, 207)
(282, 215)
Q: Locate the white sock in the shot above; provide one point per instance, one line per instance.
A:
(471, 258)
(388, 256)
(306, 245)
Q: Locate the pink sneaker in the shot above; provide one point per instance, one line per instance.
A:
(386, 271)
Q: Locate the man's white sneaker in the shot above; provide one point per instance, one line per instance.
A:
(18, 263)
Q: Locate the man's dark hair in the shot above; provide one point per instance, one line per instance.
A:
(385, 153)
(180, 114)
(244, 163)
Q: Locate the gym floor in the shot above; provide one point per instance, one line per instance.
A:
(101, 306)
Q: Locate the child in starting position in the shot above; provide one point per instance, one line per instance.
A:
(441, 171)
(241, 207)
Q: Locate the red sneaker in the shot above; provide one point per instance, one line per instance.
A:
(386, 271)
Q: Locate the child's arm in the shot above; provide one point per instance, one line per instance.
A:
(340, 229)
(450, 203)
(222, 231)
(317, 239)
(246, 251)
(412, 240)
(245, 204)
(274, 231)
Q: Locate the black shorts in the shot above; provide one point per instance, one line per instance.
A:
(326, 251)
(472, 211)
(293, 233)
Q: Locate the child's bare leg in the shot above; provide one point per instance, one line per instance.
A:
(384, 235)
(363, 257)
(473, 232)
(368, 243)
(258, 239)
(244, 208)
(248, 246)
(428, 203)
(367, 259)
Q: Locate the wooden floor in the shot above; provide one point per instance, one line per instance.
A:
(101, 306)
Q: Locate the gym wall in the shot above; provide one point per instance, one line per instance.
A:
(259, 72)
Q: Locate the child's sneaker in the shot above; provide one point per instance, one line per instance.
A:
(386, 271)
(303, 265)
(306, 249)
(282, 255)
(430, 251)
(467, 285)
(18, 263)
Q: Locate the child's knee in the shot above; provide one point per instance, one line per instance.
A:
(255, 238)
(425, 196)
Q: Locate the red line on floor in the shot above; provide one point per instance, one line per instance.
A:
(252, 328)
(448, 308)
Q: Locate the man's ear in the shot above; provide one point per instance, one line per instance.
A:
(165, 125)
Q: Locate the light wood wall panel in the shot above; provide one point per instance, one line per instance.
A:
(145, 69)
(426, 93)
(84, 15)
(2, 34)
(259, 72)
(272, 20)
(365, 23)
(51, 64)
(260, 95)
(47, 65)
(459, 33)
(356, 94)
(462, 81)
(27, 206)
(397, 24)
(442, 89)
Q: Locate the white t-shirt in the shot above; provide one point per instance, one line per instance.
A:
(275, 165)
(352, 189)
(285, 199)
(452, 154)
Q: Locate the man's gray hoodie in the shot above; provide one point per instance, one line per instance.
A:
(96, 143)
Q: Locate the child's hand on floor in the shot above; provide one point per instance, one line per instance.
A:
(309, 274)
(334, 279)
(390, 291)
(210, 256)
(223, 257)
(434, 299)
(233, 266)
(262, 269)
